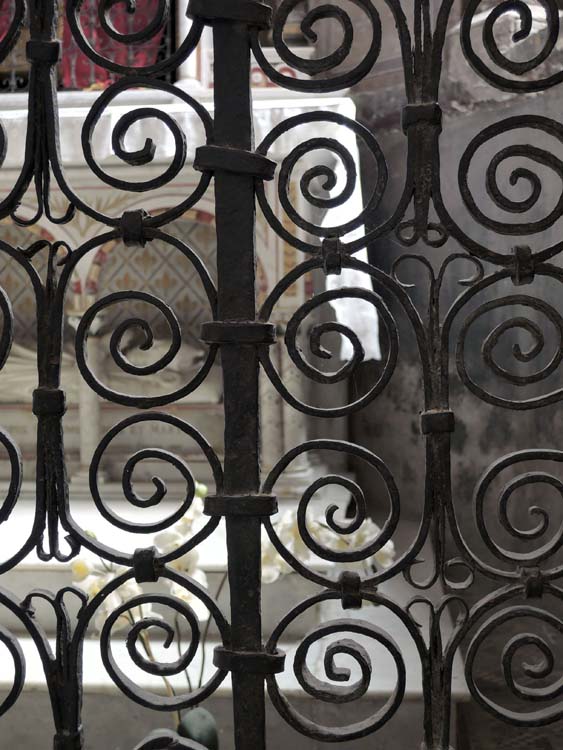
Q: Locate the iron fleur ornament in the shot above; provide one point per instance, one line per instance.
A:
(524, 585)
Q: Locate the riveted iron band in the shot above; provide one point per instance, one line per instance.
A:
(131, 225)
(146, 565)
(49, 402)
(413, 114)
(43, 51)
(240, 505)
(437, 421)
(252, 662)
(523, 265)
(236, 160)
(251, 12)
(350, 589)
(238, 332)
(533, 581)
(68, 740)
(331, 251)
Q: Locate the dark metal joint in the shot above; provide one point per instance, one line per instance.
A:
(522, 265)
(238, 332)
(68, 740)
(42, 51)
(248, 662)
(350, 589)
(236, 160)
(331, 250)
(435, 421)
(146, 565)
(251, 12)
(532, 579)
(240, 505)
(425, 112)
(49, 402)
(132, 229)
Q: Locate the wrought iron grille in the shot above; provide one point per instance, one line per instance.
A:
(524, 584)
(75, 70)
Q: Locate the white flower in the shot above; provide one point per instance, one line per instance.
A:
(193, 601)
(93, 575)
(118, 597)
(360, 539)
(188, 563)
(273, 565)
(88, 565)
(287, 530)
(185, 528)
(201, 490)
(174, 538)
(365, 535)
(81, 569)
(386, 555)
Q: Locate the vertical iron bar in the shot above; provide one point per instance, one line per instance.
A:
(235, 211)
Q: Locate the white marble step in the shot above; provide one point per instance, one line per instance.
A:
(278, 598)
(33, 573)
(97, 680)
(16, 529)
(104, 704)
(114, 722)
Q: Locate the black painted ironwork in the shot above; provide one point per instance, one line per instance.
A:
(75, 70)
(245, 336)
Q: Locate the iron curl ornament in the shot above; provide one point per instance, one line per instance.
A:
(331, 691)
(169, 668)
(517, 68)
(530, 154)
(329, 63)
(320, 175)
(339, 528)
(519, 537)
(160, 17)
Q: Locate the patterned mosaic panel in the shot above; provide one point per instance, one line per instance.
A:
(159, 269)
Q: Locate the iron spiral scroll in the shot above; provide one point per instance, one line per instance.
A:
(522, 567)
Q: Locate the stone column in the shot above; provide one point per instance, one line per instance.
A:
(189, 72)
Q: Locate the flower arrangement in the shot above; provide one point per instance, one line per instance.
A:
(287, 531)
(92, 574)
